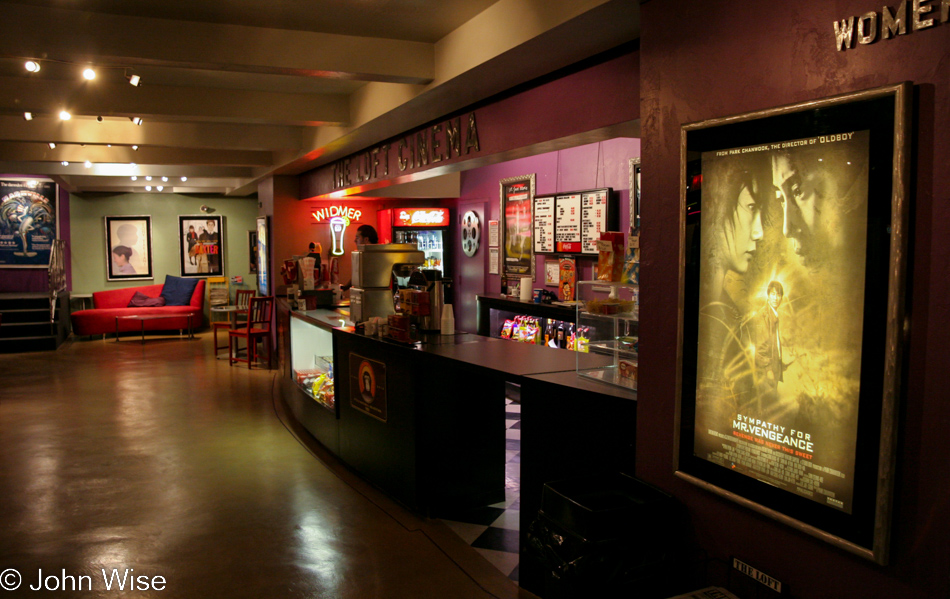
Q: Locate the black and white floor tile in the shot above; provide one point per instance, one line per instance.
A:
(493, 530)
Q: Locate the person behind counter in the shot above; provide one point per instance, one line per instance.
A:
(315, 249)
(365, 235)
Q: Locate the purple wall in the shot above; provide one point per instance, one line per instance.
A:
(701, 60)
(598, 96)
(602, 164)
(17, 280)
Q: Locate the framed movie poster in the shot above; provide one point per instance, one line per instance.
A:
(252, 251)
(794, 225)
(128, 248)
(201, 246)
(262, 256)
(517, 196)
(29, 222)
(368, 387)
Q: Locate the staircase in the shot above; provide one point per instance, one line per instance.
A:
(37, 321)
(25, 322)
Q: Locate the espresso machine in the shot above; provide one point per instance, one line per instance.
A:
(373, 268)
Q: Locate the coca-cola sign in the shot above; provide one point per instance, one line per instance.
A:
(422, 217)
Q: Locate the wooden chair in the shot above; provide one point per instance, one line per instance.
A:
(243, 302)
(257, 328)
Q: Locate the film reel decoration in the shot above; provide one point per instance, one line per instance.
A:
(471, 233)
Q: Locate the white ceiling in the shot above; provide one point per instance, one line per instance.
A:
(234, 91)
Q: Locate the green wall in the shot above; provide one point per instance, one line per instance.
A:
(88, 238)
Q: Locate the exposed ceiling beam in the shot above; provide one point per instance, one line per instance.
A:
(19, 94)
(33, 152)
(78, 36)
(122, 131)
(120, 170)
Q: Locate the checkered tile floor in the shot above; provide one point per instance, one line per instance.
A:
(493, 530)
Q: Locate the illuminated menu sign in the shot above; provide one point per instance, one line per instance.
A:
(544, 224)
(567, 223)
(593, 219)
(571, 223)
(422, 217)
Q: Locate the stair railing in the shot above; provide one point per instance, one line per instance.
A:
(57, 276)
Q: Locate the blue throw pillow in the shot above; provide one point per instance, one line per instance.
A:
(177, 291)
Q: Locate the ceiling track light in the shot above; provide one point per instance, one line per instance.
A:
(87, 164)
(148, 188)
(32, 66)
(135, 178)
(27, 116)
(64, 115)
(165, 179)
(134, 80)
(65, 163)
(183, 179)
(88, 74)
(52, 146)
(136, 119)
(159, 188)
(135, 148)
(148, 177)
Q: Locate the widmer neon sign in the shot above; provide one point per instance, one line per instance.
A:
(345, 212)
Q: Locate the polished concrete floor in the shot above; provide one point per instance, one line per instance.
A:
(158, 460)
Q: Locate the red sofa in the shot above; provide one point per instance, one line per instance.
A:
(109, 304)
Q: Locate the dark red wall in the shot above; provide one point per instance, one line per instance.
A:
(704, 59)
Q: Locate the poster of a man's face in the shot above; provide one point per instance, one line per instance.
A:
(781, 287)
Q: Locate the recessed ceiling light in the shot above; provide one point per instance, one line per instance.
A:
(108, 145)
(148, 188)
(52, 146)
(135, 178)
(159, 188)
(32, 66)
(65, 116)
(28, 116)
(87, 164)
(65, 163)
(165, 179)
(183, 179)
(135, 80)
(148, 177)
(88, 74)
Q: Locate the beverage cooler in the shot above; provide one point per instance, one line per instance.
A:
(430, 230)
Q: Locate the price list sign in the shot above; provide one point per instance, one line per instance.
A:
(567, 223)
(544, 224)
(593, 219)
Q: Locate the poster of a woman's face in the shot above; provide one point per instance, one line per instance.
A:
(129, 248)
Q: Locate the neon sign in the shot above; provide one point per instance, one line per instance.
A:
(330, 212)
(337, 228)
(422, 217)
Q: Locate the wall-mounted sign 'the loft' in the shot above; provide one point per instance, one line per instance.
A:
(427, 146)
(869, 26)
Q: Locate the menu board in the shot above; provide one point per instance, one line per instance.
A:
(593, 219)
(567, 223)
(544, 224)
(571, 223)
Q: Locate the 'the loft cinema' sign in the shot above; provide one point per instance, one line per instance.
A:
(429, 145)
(921, 14)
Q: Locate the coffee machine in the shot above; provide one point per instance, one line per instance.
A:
(432, 282)
(373, 268)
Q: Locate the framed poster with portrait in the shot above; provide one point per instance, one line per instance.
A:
(517, 197)
(262, 256)
(201, 246)
(794, 256)
(128, 248)
(29, 222)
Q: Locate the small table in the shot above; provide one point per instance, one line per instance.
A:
(231, 311)
(143, 317)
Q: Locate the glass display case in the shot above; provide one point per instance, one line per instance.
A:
(311, 359)
(607, 332)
